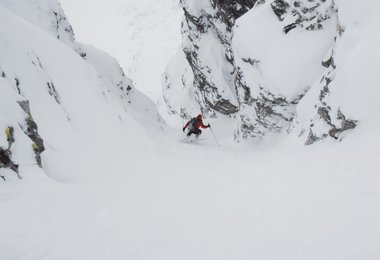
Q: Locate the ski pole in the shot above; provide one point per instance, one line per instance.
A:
(214, 137)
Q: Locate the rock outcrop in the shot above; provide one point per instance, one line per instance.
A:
(326, 117)
(254, 60)
(210, 73)
(274, 67)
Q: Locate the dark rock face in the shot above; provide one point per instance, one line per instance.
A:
(62, 25)
(346, 124)
(63, 29)
(31, 130)
(264, 113)
(28, 126)
(327, 114)
(230, 11)
(215, 22)
(280, 8)
(305, 14)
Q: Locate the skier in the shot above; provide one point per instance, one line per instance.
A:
(194, 124)
(9, 133)
(6, 162)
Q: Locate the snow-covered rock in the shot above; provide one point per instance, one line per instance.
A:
(67, 109)
(346, 93)
(279, 46)
(275, 65)
(205, 70)
(257, 67)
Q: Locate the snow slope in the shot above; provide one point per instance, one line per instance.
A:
(123, 188)
(79, 105)
(46, 15)
(198, 201)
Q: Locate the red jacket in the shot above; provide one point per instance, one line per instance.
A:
(198, 125)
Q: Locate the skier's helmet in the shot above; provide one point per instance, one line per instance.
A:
(199, 116)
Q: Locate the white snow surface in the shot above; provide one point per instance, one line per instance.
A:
(198, 201)
(117, 184)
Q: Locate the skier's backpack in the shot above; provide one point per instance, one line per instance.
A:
(193, 123)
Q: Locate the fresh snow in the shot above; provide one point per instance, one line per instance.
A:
(197, 201)
(118, 183)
